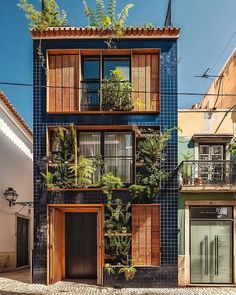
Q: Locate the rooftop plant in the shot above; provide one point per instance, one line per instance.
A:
(106, 18)
(49, 16)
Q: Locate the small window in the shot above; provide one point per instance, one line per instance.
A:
(91, 69)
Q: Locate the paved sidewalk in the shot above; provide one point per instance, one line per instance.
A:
(17, 283)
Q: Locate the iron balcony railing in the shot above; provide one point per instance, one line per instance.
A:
(195, 173)
(92, 99)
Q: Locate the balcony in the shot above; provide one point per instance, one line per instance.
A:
(207, 176)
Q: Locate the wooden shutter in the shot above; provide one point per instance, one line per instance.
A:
(145, 81)
(146, 234)
(63, 71)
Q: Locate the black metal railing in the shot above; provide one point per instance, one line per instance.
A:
(195, 173)
(92, 99)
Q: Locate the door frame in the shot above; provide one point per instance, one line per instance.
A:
(187, 263)
(29, 239)
(77, 208)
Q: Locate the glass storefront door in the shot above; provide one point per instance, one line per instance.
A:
(211, 245)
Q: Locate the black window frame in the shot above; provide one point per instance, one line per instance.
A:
(102, 147)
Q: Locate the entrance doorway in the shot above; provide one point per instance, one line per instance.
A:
(75, 243)
(22, 255)
(81, 245)
(211, 249)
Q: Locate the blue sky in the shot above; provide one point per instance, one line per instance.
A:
(207, 26)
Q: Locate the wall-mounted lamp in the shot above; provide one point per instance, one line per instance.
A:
(11, 196)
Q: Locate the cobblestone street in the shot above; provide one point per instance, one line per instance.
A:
(18, 283)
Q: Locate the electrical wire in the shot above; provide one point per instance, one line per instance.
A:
(133, 91)
(226, 46)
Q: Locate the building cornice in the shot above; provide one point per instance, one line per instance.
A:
(95, 33)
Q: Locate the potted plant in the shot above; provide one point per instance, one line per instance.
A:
(116, 93)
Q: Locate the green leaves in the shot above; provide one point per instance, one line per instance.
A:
(122, 17)
(116, 92)
(106, 18)
(51, 16)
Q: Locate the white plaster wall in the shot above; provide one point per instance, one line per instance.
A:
(16, 171)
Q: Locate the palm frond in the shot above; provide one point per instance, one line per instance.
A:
(100, 10)
(111, 10)
(90, 14)
(124, 14)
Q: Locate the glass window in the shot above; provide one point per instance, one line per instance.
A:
(112, 63)
(89, 144)
(91, 69)
(211, 212)
(118, 153)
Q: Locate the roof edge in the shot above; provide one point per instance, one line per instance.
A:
(130, 32)
(15, 113)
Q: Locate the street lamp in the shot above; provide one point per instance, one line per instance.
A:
(10, 195)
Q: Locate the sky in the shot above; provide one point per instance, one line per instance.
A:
(208, 36)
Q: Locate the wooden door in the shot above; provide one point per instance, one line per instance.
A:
(56, 238)
(22, 242)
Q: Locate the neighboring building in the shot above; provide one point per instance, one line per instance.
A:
(207, 206)
(68, 239)
(223, 85)
(16, 171)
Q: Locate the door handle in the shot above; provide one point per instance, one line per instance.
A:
(206, 255)
(216, 255)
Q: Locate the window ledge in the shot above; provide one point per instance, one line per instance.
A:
(101, 112)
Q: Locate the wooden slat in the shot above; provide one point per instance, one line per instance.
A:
(155, 232)
(155, 82)
(135, 80)
(77, 82)
(66, 82)
(135, 236)
(149, 235)
(59, 83)
(142, 82)
(52, 84)
(148, 83)
(146, 235)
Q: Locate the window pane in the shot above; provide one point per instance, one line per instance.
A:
(118, 144)
(120, 167)
(90, 98)
(89, 144)
(91, 69)
(211, 212)
(122, 64)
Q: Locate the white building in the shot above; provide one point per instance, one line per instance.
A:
(16, 171)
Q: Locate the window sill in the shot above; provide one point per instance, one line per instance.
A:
(83, 189)
(102, 112)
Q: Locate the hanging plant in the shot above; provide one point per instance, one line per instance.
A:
(49, 16)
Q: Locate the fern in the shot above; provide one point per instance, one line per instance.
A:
(90, 14)
(100, 10)
(111, 11)
(123, 15)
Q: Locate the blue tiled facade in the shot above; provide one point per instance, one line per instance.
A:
(167, 273)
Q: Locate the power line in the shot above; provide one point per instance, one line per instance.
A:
(226, 46)
(133, 91)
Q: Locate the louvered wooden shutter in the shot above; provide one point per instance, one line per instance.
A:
(145, 81)
(146, 234)
(63, 72)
